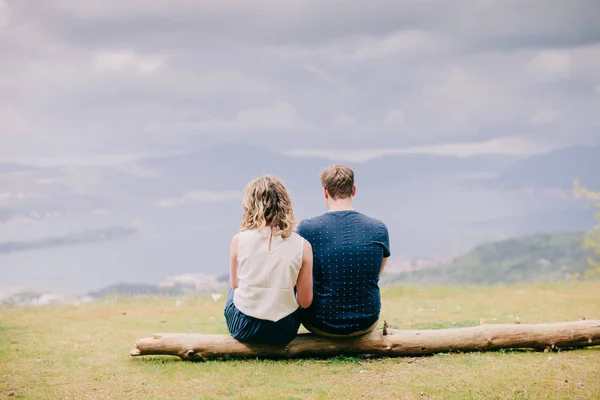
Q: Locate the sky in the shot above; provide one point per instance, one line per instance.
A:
(87, 89)
(304, 77)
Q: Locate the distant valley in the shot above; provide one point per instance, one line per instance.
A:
(81, 228)
(531, 259)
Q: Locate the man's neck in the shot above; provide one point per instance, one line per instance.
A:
(340, 205)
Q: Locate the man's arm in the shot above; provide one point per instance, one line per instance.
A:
(385, 241)
(383, 265)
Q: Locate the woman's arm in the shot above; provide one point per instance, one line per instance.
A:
(304, 286)
(233, 263)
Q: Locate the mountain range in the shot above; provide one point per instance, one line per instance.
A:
(555, 170)
(529, 259)
(72, 226)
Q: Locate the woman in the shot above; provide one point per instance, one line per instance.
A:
(270, 268)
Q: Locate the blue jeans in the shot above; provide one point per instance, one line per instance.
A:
(259, 331)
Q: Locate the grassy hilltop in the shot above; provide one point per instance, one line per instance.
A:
(82, 352)
(533, 259)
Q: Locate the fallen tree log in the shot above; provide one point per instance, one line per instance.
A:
(389, 342)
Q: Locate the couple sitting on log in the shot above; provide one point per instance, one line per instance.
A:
(325, 275)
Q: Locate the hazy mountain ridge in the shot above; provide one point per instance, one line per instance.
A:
(14, 167)
(529, 259)
(555, 170)
(175, 286)
(234, 165)
(185, 207)
(98, 235)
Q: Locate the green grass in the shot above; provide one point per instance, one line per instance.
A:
(82, 352)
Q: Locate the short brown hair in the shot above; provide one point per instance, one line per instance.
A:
(338, 180)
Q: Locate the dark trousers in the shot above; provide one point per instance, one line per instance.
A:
(259, 331)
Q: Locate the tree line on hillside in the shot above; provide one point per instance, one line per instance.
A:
(537, 258)
(592, 238)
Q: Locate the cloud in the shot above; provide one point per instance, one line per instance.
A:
(394, 117)
(403, 42)
(319, 73)
(279, 116)
(363, 49)
(510, 146)
(550, 65)
(20, 218)
(198, 196)
(17, 196)
(544, 117)
(118, 61)
(136, 170)
(86, 237)
(83, 78)
(465, 99)
(344, 120)
(4, 14)
(309, 22)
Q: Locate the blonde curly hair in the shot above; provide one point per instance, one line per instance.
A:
(268, 203)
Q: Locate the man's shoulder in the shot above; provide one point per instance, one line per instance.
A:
(324, 220)
(311, 223)
(371, 221)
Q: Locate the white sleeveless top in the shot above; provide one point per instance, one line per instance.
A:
(267, 277)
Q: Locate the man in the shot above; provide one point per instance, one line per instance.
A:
(350, 251)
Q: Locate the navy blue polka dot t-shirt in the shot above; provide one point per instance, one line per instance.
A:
(348, 249)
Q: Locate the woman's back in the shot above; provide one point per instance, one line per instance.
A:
(268, 268)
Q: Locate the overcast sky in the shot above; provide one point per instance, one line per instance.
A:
(134, 76)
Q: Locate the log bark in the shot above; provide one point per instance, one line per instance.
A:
(389, 342)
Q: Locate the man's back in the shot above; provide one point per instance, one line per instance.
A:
(348, 250)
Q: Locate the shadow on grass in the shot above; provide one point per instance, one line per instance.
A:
(154, 360)
(336, 360)
(345, 359)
